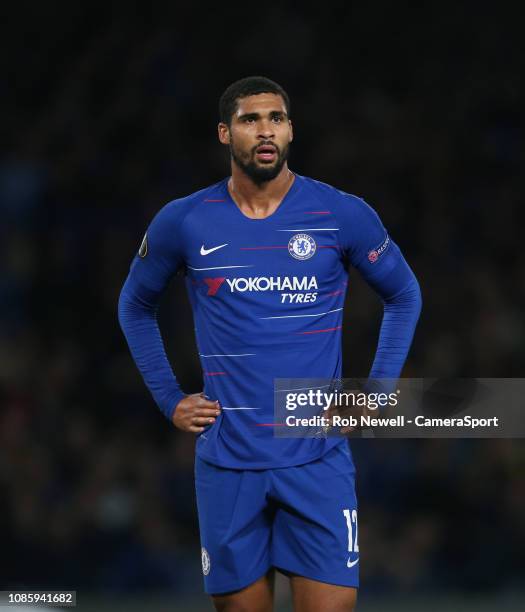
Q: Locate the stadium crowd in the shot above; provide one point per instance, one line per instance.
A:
(109, 117)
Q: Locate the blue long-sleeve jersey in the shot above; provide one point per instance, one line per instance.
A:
(267, 298)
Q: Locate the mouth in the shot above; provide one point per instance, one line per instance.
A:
(266, 153)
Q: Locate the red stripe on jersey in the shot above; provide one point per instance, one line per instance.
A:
(321, 331)
(262, 247)
(318, 212)
(209, 200)
(216, 373)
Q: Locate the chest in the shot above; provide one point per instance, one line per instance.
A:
(290, 258)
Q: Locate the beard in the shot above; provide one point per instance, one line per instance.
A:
(257, 172)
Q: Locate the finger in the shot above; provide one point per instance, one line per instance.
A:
(330, 416)
(195, 429)
(205, 397)
(204, 403)
(206, 412)
(203, 421)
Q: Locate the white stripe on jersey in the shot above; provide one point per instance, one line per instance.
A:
(319, 314)
(311, 229)
(303, 388)
(238, 408)
(240, 355)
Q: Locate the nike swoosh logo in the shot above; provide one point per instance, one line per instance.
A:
(352, 563)
(208, 251)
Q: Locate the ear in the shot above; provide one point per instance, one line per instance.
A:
(224, 133)
(291, 130)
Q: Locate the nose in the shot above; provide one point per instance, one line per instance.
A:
(265, 129)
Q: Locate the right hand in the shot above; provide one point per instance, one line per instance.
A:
(194, 413)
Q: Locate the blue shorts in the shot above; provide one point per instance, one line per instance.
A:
(300, 519)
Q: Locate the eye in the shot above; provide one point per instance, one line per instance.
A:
(277, 119)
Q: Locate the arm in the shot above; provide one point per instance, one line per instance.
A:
(158, 259)
(402, 302)
(137, 313)
(380, 262)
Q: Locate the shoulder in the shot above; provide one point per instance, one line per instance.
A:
(175, 211)
(344, 204)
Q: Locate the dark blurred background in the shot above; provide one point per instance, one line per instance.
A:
(109, 114)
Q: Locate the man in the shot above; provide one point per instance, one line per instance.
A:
(265, 252)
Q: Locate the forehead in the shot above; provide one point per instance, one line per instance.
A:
(260, 103)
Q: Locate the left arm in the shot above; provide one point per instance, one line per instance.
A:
(382, 265)
(402, 302)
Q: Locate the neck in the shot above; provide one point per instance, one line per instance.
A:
(259, 200)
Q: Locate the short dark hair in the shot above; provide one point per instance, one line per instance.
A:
(249, 86)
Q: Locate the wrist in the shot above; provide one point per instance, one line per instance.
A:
(171, 403)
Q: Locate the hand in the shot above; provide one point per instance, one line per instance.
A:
(346, 412)
(194, 412)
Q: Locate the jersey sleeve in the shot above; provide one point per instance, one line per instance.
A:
(159, 257)
(161, 253)
(379, 260)
(364, 238)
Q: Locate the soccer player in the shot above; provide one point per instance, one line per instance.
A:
(265, 253)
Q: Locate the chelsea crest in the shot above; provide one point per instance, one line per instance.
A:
(302, 246)
(205, 557)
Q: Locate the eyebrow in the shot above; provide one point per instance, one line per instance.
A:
(273, 113)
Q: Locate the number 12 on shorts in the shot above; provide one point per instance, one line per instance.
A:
(353, 546)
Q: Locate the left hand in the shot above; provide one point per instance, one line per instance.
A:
(348, 411)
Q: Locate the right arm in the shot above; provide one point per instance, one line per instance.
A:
(160, 257)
